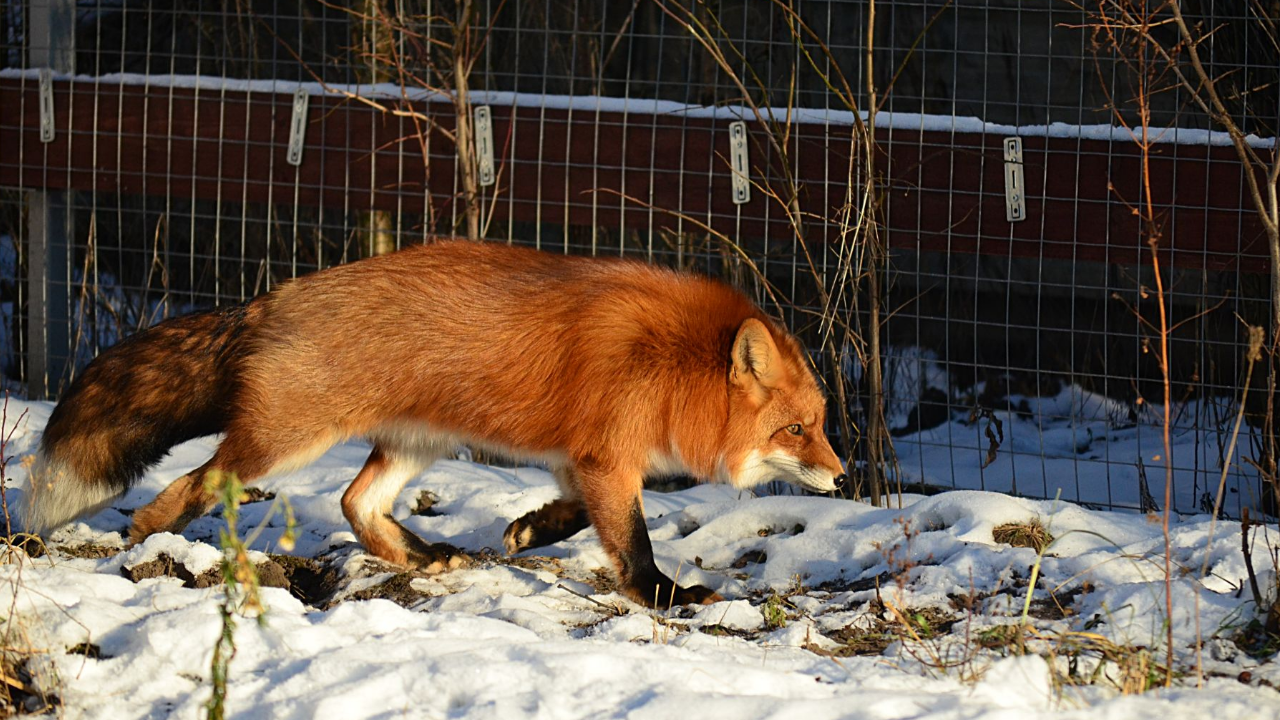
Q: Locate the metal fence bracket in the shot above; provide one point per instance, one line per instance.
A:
(298, 126)
(46, 105)
(1015, 196)
(484, 145)
(738, 163)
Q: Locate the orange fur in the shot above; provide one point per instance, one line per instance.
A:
(606, 370)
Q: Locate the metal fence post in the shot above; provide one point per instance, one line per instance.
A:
(51, 44)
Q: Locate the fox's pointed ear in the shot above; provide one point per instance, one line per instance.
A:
(756, 365)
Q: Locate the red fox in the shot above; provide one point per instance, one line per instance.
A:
(604, 370)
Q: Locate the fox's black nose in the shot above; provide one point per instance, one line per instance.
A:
(841, 480)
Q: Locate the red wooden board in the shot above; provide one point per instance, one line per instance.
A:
(946, 190)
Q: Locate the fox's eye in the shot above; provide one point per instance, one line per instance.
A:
(796, 429)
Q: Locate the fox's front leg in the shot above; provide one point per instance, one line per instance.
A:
(614, 505)
(367, 505)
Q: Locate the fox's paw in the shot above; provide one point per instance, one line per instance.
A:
(519, 536)
(665, 593)
(549, 524)
(696, 595)
(432, 558)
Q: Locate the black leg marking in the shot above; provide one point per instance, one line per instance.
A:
(644, 582)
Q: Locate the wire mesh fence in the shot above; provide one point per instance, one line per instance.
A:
(944, 199)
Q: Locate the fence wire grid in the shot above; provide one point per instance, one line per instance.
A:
(1012, 314)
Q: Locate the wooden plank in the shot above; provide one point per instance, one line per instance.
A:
(946, 190)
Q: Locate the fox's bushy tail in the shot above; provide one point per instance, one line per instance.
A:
(160, 387)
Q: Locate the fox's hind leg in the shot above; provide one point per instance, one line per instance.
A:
(241, 453)
(558, 520)
(175, 507)
(368, 501)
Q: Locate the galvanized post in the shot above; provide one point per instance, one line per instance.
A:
(51, 44)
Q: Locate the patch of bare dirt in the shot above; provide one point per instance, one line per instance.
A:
(282, 571)
(750, 557)
(165, 566)
(398, 589)
(884, 579)
(1060, 606)
(871, 633)
(89, 551)
(310, 580)
(868, 638)
(722, 631)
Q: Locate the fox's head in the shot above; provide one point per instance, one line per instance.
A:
(776, 415)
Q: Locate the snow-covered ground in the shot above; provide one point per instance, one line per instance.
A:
(1066, 442)
(836, 609)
